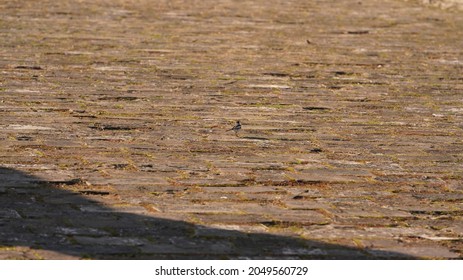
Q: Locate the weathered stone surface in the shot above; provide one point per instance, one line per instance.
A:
(115, 119)
(432, 252)
(444, 4)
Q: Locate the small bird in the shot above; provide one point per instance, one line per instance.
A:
(236, 128)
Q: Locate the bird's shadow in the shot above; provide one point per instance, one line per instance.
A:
(41, 215)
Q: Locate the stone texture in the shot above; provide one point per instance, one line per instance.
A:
(114, 118)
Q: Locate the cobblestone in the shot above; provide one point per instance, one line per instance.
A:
(114, 118)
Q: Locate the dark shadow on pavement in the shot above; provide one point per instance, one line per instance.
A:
(42, 215)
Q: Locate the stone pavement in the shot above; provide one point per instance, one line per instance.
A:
(114, 141)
